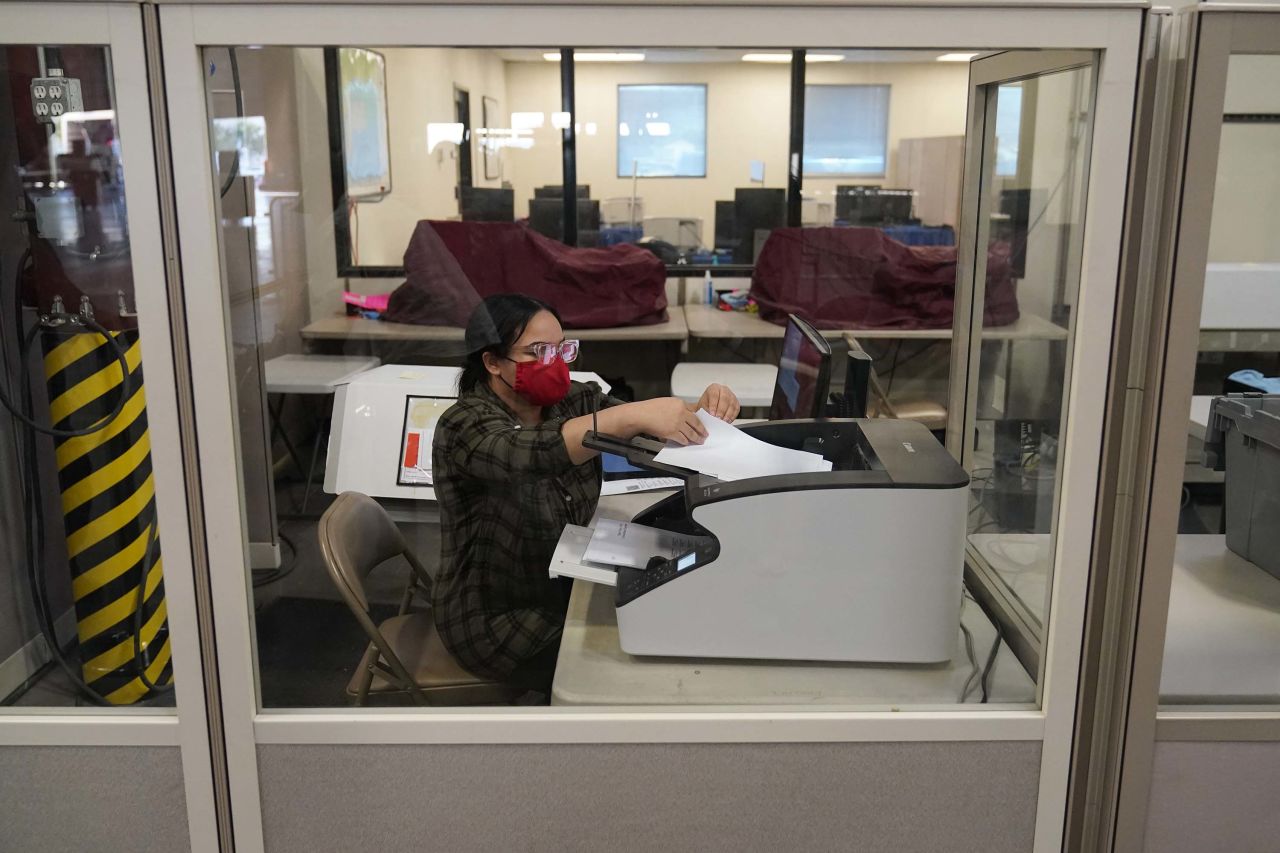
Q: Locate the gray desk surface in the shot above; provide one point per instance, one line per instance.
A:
(313, 374)
(1222, 642)
(708, 322)
(363, 329)
(592, 669)
(1022, 561)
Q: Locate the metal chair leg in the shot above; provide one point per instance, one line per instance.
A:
(277, 429)
(322, 432)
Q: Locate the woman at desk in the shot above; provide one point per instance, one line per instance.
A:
(511, 472)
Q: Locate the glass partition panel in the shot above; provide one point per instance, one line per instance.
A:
(1035, 169)
(1222, 643)
(410, 412)
(441, 134)
(83, 619)
(882, 162)
(677, 159)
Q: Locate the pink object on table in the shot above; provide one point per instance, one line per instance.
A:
(367, 301)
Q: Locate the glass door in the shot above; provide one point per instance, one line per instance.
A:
(1027, 173)
(102, 683)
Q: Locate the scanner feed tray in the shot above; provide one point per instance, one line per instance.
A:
(569, 559)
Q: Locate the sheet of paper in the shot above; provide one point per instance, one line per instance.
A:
(624, 543)
(641, 484)
(731, 454)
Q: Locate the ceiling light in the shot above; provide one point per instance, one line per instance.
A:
(956, 57)
(579, 56)
(824, 57)
(767, 57)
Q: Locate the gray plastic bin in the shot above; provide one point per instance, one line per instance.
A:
(1243, 439)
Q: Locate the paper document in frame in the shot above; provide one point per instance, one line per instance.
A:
(623, 543)
(731, 454)
(420, 417)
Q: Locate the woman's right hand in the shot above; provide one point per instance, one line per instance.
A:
(670, 419)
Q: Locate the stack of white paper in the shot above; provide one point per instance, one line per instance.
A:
(623, 543)
(731, 454)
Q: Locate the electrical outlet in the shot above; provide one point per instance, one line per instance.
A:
(54, 96)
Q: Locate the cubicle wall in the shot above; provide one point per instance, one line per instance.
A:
(1213, 795)
(636, 797)
(893, 771)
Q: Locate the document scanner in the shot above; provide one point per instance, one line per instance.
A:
(861, 563)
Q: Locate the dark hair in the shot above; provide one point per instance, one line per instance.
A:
(495, 325)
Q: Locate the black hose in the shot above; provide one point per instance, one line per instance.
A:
(35, 540)
(126, 384)
(139, 662)
(28, 462)
(991, 660)
(239, 93)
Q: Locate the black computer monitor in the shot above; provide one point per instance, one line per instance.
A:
(804, 373)
(871, 206)
(858, 204)
(584, 191)
(487, 204)
(726, 227)
(756, 209)
(895, 206)
(546, 216)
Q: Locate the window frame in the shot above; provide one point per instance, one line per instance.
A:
(121, 30)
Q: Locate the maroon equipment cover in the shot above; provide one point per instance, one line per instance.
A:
(451, 266)
(857, 278)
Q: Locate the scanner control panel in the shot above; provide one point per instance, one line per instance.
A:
(633, 583)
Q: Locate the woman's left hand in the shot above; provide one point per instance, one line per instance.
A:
(719, 401)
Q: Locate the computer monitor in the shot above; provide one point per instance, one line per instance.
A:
(488, 204)
(804, 373)
(896, 206)
(726, 226)
(546, 216)
(557, 191)
(754, 209)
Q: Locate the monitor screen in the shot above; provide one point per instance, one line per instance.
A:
(804, 371)
(618, 468)
(420, 417)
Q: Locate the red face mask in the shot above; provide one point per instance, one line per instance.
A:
(542, 384)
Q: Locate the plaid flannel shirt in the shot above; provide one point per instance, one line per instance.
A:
(505, 494)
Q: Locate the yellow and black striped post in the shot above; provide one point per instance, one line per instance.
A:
(108, 508)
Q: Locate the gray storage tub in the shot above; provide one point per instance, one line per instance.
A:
(1243, 438)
